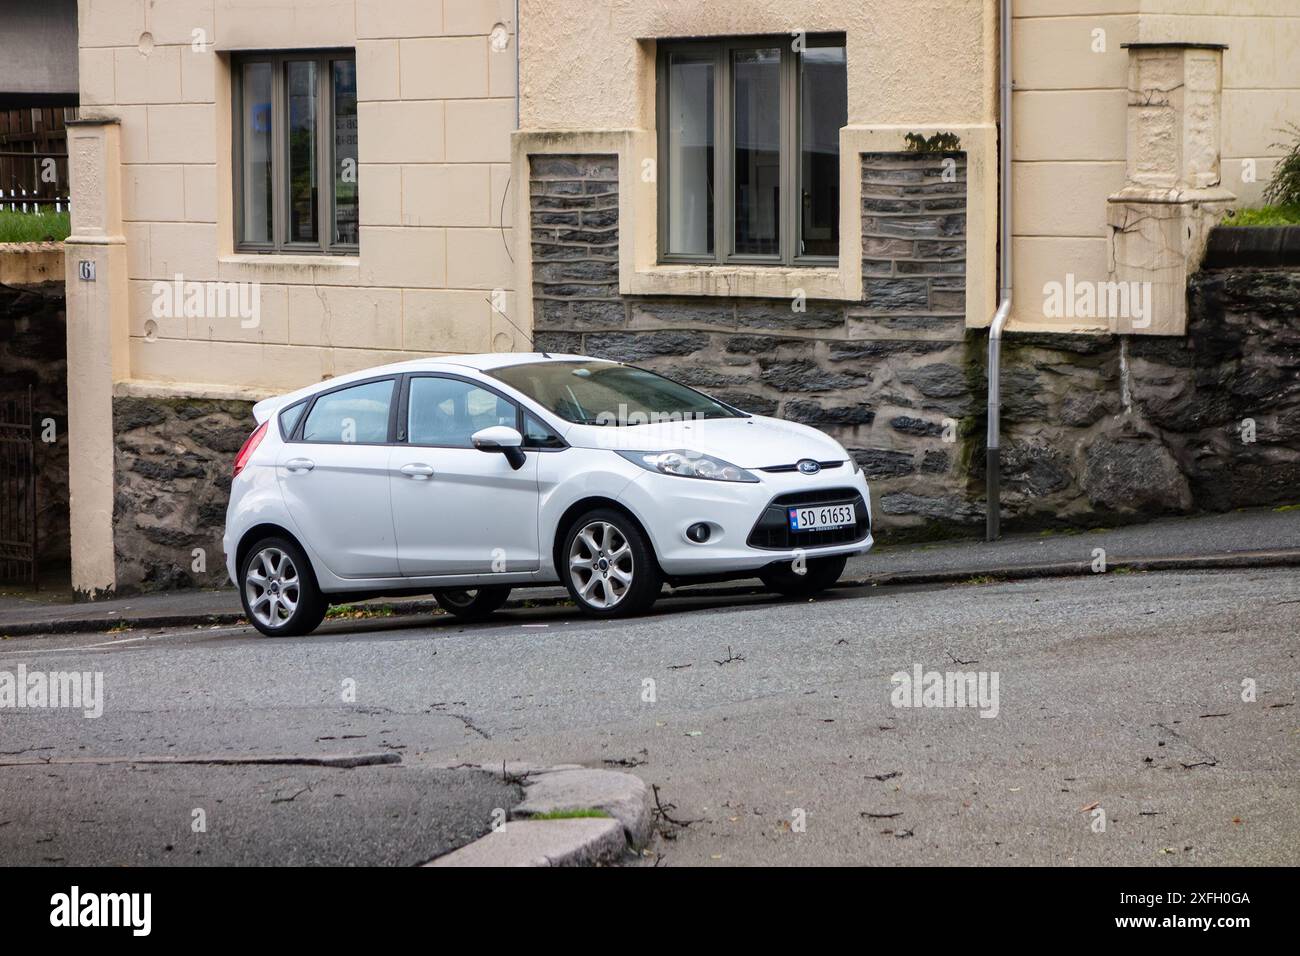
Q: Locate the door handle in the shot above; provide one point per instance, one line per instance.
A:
(296, 465)
(418, 472)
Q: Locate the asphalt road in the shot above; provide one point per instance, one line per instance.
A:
(770, 732)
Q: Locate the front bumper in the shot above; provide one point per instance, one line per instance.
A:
(743, 518)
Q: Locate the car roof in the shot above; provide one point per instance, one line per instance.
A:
(483, 362)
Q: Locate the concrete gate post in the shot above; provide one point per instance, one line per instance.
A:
(1172, 197)
(96, 268)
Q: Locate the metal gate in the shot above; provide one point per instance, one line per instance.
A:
(18, 491)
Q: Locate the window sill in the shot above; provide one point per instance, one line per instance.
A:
(289, 269)
(342, 261)
(773, 282)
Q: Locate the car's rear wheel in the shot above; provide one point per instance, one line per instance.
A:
(279, 590)
(471, 604)
(608, 565)
(819, 574)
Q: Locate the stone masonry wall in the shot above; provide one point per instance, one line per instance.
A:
(1096, 429)
(173, 463)
(888, 376)
(1111, 428)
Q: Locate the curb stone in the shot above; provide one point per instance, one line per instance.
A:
(578, 841)
(1287, 557)
(592, 841)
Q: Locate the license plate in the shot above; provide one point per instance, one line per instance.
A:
(821, 517)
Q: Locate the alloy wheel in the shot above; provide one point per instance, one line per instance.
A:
(272, 587)
(600, 564)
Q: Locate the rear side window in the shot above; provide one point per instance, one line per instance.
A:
(358, 414)
(289, 418)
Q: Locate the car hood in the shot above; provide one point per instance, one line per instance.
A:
(754, 442)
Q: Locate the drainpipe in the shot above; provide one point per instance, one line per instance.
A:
(993, 455)
(517, 32)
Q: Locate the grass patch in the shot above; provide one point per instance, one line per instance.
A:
(1287, 508)
(1265, 216)
(981, 579)
(581, 814)
(356, 612)
(34, 226)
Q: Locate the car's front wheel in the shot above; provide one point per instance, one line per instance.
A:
(818, 574)
(472, 604)
(609, 566)
(279, 590)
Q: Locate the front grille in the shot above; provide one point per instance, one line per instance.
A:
(794, 466)
(772, 530)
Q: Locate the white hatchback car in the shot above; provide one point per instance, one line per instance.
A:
(467, 476)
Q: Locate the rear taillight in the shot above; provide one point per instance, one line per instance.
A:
(250, 446)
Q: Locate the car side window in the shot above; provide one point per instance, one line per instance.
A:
(358, 414)
(289, 419)
(539, 435)
(446, 412)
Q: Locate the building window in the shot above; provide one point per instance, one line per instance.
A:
(749, 150)
(295, 152)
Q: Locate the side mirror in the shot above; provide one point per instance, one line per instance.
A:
(503, 439)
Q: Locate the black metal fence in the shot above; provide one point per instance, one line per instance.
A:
(18, 491)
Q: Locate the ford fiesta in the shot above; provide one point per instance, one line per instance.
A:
(468, 476)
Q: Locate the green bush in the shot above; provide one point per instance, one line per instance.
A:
(1284, 188)
(33, 226)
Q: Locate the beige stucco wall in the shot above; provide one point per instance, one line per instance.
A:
(435, 113)
(583, 68)
(588, 85)
(1069, 111)
(590, 67)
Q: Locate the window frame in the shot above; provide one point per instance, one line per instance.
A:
(401, 419)
(325, 150)
(300, 425)
(789, 213)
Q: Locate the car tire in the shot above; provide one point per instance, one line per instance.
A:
(630, 580)
(820, 574)
(472, 604)
(278, 589)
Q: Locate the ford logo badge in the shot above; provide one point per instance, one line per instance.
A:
(809, 467)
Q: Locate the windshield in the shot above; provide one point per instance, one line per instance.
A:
(603, 393)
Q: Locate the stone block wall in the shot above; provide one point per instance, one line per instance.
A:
(173, 459)
(891, 376)
(1097, 429)
(914, 233)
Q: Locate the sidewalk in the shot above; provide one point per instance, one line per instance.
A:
(1258, 538)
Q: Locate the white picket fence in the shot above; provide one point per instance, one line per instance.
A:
(19, 200)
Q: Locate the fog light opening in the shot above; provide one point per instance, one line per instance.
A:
(699, 532)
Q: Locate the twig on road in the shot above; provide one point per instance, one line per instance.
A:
(517, 779)
(730, 658)
(661, 810)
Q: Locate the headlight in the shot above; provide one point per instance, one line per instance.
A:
(688, 464)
